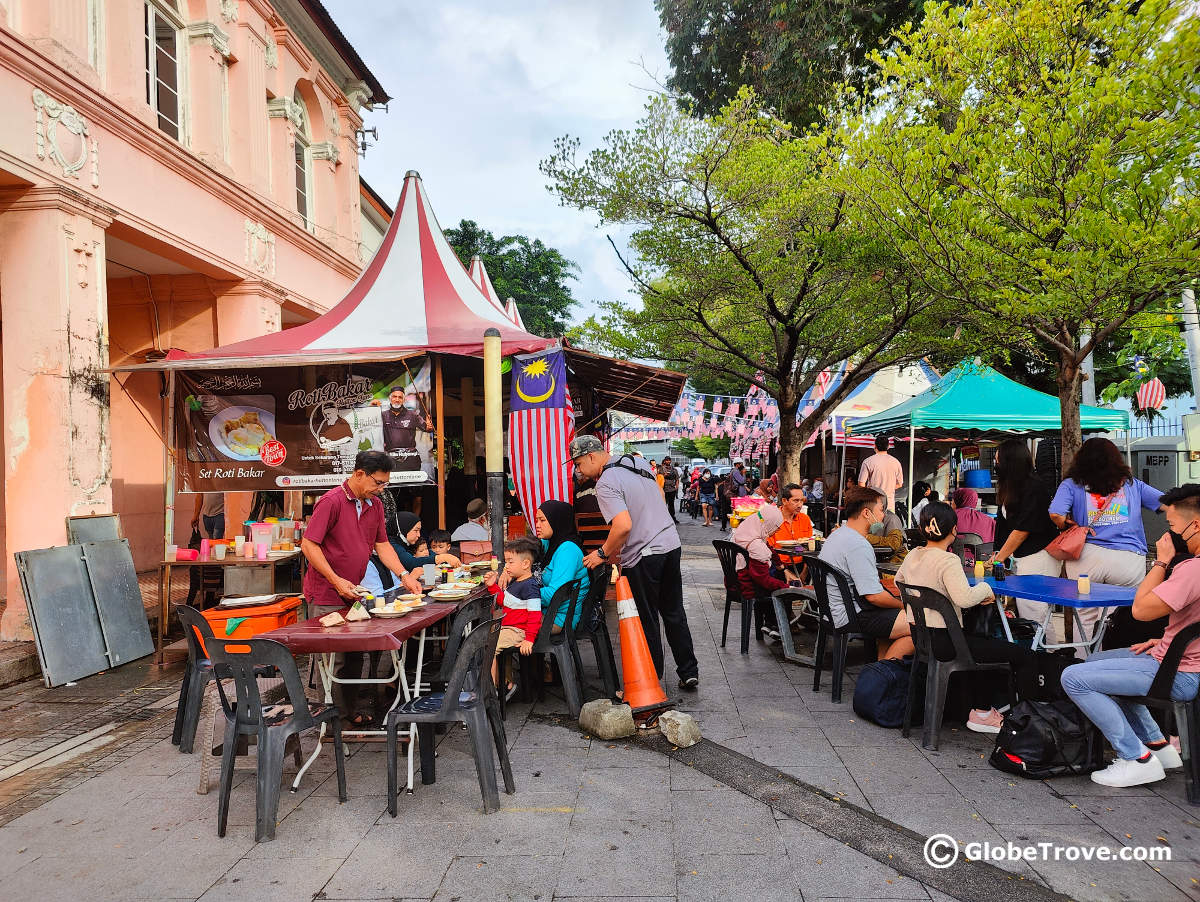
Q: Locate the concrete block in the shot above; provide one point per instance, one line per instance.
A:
(680, 729)
(605, 720)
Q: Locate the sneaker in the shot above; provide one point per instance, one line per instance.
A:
(988, 721)
(1168, 756)
(689, 684)
(1124, 772)
(769, 636)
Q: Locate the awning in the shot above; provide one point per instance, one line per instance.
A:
(633, 388)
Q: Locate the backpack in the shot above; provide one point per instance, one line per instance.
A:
(1040, 679)
(881, 692)
(1047, 739)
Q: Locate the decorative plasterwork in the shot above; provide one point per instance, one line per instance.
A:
(326, 150)
(334, 123)
(199, 31)
(229, 10)
(50, 115)
(271, 55)
(260, 248)
(358, 93)
(286, 108)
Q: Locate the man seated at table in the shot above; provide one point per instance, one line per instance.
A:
(889, 534)
(346, 526)
(848, 550)
(1099, 684)
(476, 528)
(797, 527)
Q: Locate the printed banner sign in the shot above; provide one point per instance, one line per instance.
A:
(296, 427)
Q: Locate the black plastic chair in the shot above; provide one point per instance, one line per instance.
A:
(478, 710)
(728, 554)
(914, 538)
(1187, 714)
(921, 600)
(560, 646)
(973, 542)
(822, 572)
(593, 628)
(196, 675)
(470, 615)
(273, 725)
(784, 601)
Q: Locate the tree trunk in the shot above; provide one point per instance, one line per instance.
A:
(1068, 404)
(791, 445)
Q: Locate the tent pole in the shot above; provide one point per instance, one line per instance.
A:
(440, 405)
(912, 444)
(841, 475)
(493, 425)
(164, 601)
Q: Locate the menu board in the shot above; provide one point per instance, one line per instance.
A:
(279, 428)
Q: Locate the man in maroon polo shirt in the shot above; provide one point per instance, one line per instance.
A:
(345, 527)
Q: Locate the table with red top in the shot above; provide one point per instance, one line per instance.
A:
(384, 634)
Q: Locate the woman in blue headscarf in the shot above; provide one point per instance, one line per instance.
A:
(562, 557)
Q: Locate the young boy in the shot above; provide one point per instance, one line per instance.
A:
(439, 542)
(520, 593)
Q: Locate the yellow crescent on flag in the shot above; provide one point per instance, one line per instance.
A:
(535, 399)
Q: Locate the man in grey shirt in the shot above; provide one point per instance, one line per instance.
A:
(643, 539)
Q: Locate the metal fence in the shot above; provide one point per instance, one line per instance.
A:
(1158, 427)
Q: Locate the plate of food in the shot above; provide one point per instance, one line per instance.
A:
(789, 543)
(444, 593)
(461, 584)
(239, 432)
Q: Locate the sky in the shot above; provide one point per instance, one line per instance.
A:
(482, 89)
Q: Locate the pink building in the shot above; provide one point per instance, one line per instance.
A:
(173, 173)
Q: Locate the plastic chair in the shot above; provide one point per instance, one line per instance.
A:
(920, 600)
(593, 628)
(1187, 714)
(728, 554)
(196, 675)
(784, 601)
(560, 646)
(476, 709)
(973, 542)
(466, 618)
(822, 572)
(273, 725)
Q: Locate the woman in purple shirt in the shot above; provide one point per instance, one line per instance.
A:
(1101, 494)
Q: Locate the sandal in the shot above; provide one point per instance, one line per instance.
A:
(359, 721)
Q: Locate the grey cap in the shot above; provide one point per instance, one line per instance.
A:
(583, 444)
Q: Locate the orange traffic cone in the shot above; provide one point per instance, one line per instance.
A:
(643, 692)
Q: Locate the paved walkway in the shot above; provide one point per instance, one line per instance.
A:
(116, 816)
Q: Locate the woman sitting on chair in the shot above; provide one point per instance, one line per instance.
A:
(755, 577)
(936, 567)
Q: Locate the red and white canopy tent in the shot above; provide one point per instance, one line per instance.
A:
(479, 275)
(415, 297)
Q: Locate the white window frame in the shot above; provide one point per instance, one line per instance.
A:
(304, 152)
(168, 14)
(95, 14)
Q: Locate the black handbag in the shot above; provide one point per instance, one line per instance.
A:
(1047, 739)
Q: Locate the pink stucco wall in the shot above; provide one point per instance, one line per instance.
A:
(117, 239)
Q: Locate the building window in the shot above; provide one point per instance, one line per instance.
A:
(303, 165)
(162, 70)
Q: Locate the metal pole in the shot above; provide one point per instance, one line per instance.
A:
(1191, 338)
(1089, 371)
(169, 465)
(912, 445)
(493, 425)
(841, 474)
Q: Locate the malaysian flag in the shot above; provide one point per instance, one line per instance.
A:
(1151, 395)
(541, 425)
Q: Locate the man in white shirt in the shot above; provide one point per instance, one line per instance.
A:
(476, 528)
(882, 472)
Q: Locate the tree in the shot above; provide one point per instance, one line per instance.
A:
(746, 263)
(524, 269)
(712, 448)
(684, 448)
(793, 53)
(1033, 162)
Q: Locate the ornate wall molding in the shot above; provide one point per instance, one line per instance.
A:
(229, 10)
(271, 53)
(326, 150)
(200, 31)
(260, 248)
(286, 108)
(49, 116)
(358, 93)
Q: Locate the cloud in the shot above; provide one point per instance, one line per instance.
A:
(482, 90)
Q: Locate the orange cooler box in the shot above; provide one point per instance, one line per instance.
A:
(251, 620)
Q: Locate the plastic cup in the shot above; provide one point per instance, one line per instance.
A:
(429, 573)
(248, 550)
(238, 542)
(205, 545)
(261, 549)
(220, 550)
(172, 552)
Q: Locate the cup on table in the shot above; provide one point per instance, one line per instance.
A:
(248, 550)
(429, 574)
(205, 545)
(172, 553)
(261, 549)
(219, 551)
(238, 542)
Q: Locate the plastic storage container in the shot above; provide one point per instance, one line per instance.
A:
(251, 620)
(977, 479)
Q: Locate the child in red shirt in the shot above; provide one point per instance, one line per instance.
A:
(519, 591)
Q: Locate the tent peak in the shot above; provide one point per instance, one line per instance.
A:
(412, 174)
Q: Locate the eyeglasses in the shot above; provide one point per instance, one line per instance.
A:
(379, 483)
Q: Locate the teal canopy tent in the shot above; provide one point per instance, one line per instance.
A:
(973, 401)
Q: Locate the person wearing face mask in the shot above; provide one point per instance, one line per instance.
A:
(401, 420)
(888, 532)
(1100, 686)
(848, 549)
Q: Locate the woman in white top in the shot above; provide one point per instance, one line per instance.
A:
(935, 567)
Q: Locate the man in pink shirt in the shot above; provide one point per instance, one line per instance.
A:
(1099, 684)
(882, 472)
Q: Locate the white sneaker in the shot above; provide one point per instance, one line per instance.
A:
(1168, 756)
(1124, 772)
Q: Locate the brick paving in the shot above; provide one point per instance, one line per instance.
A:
(591, 819)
